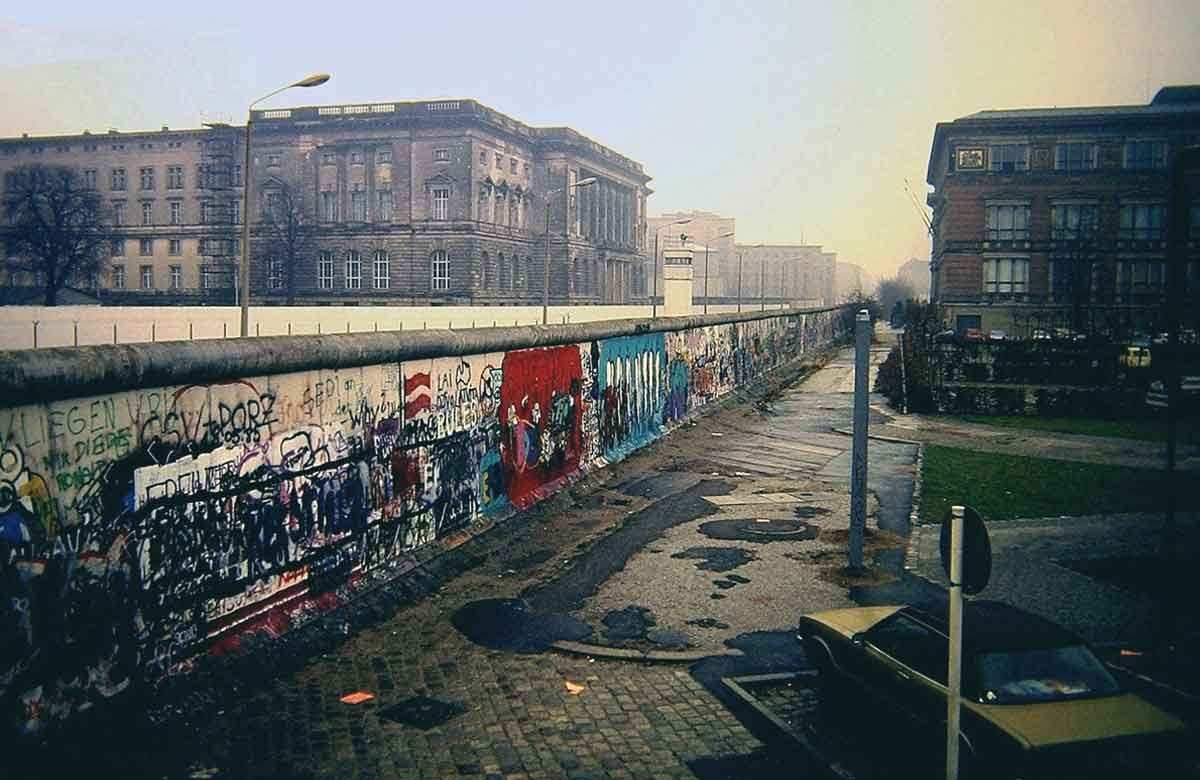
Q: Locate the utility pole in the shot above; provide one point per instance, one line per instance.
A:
(739, 282)
(858, 463)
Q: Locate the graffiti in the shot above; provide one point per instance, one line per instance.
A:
(541, 406)
(632, 385)
(143, 529)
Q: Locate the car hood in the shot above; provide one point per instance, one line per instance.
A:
(853, 620)
(1083, 720)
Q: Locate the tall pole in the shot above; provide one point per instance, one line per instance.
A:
(955, 666)
(1177, 233)
(762, 284)
(858, 462)
(706, 278)
(654, 295)
(244, 270)
(546, 268)
(739, 282)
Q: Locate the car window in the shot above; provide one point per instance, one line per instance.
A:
(1042, 674)
(913, 644)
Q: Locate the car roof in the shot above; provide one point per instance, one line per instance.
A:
(993, 625)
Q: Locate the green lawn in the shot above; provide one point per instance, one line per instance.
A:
(1188, 430)
(1002, 487)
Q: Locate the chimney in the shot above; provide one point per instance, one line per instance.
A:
(165, 128)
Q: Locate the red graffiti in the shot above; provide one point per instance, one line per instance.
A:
(541, 416)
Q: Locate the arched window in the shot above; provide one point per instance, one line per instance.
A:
(527, 273)
(440, 263)
(483, 271)
(503, 282)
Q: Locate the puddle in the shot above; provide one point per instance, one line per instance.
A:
(535, 558)
(707, 623)
(422, 712)
(631, 622)
(718, 558)
(509, 624)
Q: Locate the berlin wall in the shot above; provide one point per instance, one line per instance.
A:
(159, 501)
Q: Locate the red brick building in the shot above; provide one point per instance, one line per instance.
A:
(1057, 218)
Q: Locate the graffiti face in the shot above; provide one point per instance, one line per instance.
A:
(142, 529)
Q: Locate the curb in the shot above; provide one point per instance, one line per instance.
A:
(877, 437)
(629, 654)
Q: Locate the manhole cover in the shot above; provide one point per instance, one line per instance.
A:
(759, 530)
(773, 528)
(422, 712)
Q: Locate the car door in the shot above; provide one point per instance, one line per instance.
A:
(905, 657)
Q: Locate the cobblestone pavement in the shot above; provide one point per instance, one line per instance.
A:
(522, 716)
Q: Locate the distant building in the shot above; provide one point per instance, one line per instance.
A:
(852, 280)
(799, 273)
(1057, 218)
(702, 229)
(915, 273)
(442, 201)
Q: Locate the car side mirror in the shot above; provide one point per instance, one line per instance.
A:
(858, 639)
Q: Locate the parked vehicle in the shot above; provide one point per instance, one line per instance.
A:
(1037, 702)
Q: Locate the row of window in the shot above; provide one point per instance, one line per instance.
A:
(145, 146)
(146, 277)
(352, 276)
(1068, 156)
(513, 163)
(210, 213)
(1010, 276)
(1076, 221)
(174, 247)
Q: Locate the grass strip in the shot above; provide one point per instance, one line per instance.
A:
(1003, 487)
(1151, 429)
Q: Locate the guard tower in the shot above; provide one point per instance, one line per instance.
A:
(677, 282)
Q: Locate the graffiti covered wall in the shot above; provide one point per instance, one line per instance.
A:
(141, 530)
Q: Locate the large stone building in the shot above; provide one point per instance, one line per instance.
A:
(443, 200)
(796, 273)
(1057, 218)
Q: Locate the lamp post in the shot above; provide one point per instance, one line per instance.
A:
(546, 266)
(756, 246)
(706, 242)
(654, 294)
(244, 272)
(762, 284)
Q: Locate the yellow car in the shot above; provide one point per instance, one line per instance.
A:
(1036, 701)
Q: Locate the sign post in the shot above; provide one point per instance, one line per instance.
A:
(966, 555)
(954, 692)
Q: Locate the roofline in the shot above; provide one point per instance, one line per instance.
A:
(103, 134)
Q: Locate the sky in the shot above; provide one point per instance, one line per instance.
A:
(804, 121)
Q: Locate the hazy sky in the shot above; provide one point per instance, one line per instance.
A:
(799, 119)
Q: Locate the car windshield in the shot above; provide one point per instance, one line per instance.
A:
(1038, 675)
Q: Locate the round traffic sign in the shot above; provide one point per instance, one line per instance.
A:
(977, 551)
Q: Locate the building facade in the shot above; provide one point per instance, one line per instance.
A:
(1056, 219)
(796, 273)
(437, 201)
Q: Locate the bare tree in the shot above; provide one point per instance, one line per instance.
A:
(56, 230)
(289, 231)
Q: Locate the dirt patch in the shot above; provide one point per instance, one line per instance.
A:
(873, 539)
(846, 577)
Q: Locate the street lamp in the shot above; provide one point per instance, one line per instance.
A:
(546, 266)
(756, 246)
(314, 80)
(706, 242)
(654, 294)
